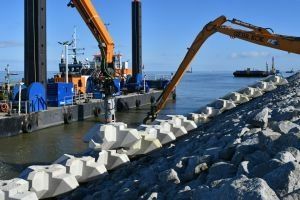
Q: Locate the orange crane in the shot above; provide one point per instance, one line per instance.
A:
(100, 32)
(254, 34)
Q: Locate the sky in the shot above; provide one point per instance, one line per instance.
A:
(169, 27)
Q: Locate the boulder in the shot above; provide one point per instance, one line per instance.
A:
(240, 187)
(284, 179)
(260, 120)
(169, 176)
(285, 127)
(221, 170)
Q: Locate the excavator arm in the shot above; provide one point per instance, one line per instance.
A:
(98, 29)
(254, 34)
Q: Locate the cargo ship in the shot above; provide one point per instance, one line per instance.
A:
(256, 73)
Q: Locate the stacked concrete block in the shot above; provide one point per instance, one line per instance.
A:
(187, 124)
(251, 92)
(198, 118)
(265, 86)
(223, 105)
(16, 189)
(148, 144)
(173, 126)
(163, 134)
(210, 111)
(83, 168)
(125, 137)
(114, 136)
(276, 80)
(50, 180)
(237, 98)
(111, 159)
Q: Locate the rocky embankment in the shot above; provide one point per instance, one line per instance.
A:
(248, 152)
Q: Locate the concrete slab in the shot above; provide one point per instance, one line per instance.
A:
(111, 159)
(49, 180)
(187, 124)
(236, 97)
(16, 189)
(251, 92)
(83, 168)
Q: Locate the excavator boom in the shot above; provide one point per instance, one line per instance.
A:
(254, 34)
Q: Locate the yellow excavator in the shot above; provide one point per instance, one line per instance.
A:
(254, 34)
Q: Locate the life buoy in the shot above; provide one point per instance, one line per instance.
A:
(97, 111)
(4, 107)
(68, 117)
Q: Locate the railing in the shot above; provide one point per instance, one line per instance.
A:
(77, 99)
(158, 76)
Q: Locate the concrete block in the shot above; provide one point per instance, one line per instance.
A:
(148, 144)
(276, 80)
(164, 135)
(16, 189)
(83, 168)
(187, 124)
(237, 98)
(265, 86)
(111, 159)
(251, 92)
(94, 145)
(49, 180)
(223, 105)
(108, 136)
(210, 111)
(117, 135)
(173, 126)
(199, 118)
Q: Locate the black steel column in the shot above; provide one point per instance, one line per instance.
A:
(136, 37)
(35, 64)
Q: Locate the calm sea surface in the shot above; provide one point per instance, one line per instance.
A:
(43, 147)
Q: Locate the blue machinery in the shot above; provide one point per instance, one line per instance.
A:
(33, 98)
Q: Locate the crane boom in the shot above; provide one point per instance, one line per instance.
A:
(96, 26)
(256, 35)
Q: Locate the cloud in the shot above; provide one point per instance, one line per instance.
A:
(249, 54)
(8, 44)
